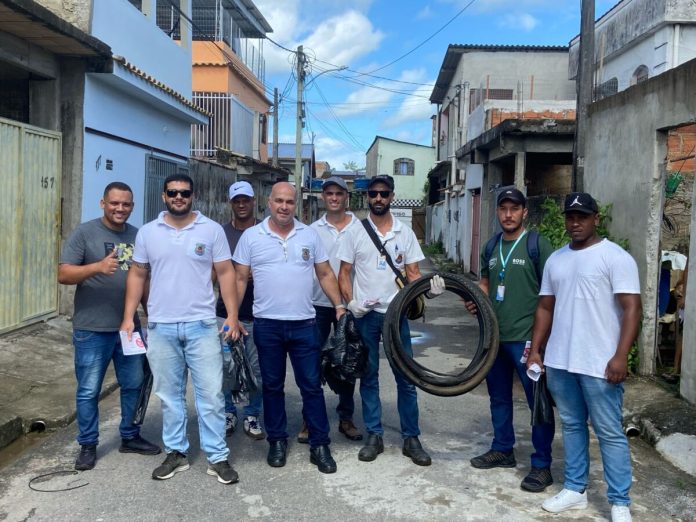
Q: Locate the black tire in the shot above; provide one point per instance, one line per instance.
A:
(428, 380)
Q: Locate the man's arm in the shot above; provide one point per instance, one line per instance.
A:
(344, 283)
(135, 287)
(543, 319)
(227, 279)
(242, 277)
(329, 284)
(470, 305)
(74, 274)
(617, 367)
(412, 272)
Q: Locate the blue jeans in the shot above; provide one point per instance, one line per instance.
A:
(93, 352)
(499, 381)
(370, 327)
(174, 349)
(275, 340)
(577, 397)
(326, 317)
(253, 408)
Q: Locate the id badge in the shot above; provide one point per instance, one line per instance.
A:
(381, 263)
(500, 293)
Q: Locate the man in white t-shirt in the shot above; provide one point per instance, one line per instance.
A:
(178, 251)
(283, 255)
(590, 303)
(368, 295)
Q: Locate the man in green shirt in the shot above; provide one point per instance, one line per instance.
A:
(511, 277)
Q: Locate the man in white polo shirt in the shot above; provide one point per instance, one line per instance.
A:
(283, 254)
(368, 298)
(179, 250)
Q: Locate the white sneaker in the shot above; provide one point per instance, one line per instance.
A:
(252, 428)
(230, 423)
(620, 514)
(565, 500)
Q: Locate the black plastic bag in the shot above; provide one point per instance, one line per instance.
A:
(344, 356)
(542, 408)
(238, 376)
(144, 397)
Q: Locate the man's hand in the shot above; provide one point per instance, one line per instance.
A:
(128, 326)
(437, 286)
(357, 310)
(471, 307)
(535, 358)
(109, 264)
(617, 369)
(339, 312)
(230, 329)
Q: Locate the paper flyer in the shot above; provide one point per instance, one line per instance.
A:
(135, 346)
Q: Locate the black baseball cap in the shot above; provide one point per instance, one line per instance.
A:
(580, 202)
(382, 178)
(513, 195)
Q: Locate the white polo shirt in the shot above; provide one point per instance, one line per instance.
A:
(374, 279)
(181, 262)
(282, 269)
(330, 238)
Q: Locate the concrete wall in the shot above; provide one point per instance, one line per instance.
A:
(76, 12)
(688, 366)
(625, 166)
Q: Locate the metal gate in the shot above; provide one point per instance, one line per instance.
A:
(157, 169)
(30, 167)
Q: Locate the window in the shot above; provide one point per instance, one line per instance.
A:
(606, 89)
(640, 75)
(404, 167)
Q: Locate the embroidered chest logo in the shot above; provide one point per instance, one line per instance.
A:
(492, 262)
(305, 253)
(518, 262)
(200, 249)
(399, 259)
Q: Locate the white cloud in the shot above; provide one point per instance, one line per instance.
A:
(425, 13)
(517, 21)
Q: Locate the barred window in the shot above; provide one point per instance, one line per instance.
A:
(404, 167)
(640, 74)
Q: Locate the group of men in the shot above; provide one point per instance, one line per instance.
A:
(170, 266)
(574, 313)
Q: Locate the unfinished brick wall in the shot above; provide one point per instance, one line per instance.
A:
(681, 147)
(496, 116)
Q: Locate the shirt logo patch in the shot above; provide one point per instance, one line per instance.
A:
(399, 259)
(305, 253)
(518, 262)
(200, 249)
(492, 262)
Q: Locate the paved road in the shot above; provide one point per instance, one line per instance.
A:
(391, 488)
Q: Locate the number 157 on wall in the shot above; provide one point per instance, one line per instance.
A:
(47, 182)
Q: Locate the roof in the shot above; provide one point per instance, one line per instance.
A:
(455, 51)
(33, 23)
(398, 141)
(287, 150)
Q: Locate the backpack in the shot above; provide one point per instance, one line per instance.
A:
(532, 250)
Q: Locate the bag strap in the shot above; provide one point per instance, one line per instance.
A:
(490, 246)
(533, 252)
(380, 247)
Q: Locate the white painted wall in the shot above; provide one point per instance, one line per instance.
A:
(380, 160)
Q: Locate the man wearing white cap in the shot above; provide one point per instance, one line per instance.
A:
(242, 203)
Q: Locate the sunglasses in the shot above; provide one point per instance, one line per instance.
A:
(374, 193)
(171, 193)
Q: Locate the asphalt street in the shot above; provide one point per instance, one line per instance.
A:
(391, 488)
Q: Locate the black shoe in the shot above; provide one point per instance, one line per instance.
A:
(173, 464)
(414, 450)
(373, 447)
(223, 471)
(494, 459)
(87, 457)
(321, 456)
(537, 480)
(139, 445)
(277, 453)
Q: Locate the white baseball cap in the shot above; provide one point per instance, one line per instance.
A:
(241, 188)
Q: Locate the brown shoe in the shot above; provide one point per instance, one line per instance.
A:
(303, 435)
(349, 430)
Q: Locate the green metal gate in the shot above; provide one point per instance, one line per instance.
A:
(30, 169)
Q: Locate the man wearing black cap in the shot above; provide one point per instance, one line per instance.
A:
(590, 303)
(511, 268)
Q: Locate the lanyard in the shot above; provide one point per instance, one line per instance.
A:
(504, 260)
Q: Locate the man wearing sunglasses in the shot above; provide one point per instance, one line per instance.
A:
(178, 251)
(96, 258)
(368, 297)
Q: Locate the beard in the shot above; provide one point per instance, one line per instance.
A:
(179, 212)
(379, 211)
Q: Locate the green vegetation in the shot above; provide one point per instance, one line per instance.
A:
(434, 249)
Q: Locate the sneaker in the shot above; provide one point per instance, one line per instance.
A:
(252, 428)
(173, 464)
(87, 458)
(223, 471)
(565, 500)
(494, 459)
(230, 424)
(620, 514)
(537, 480)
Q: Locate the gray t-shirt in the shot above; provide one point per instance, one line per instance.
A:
(99, 300)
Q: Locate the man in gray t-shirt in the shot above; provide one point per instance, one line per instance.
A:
(96, 257)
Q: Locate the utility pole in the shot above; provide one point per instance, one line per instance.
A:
(298, 129)
(585, 86)
(275, 127)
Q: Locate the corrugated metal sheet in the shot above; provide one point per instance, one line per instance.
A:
(30, 167)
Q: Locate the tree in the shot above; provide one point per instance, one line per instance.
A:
(351, 165)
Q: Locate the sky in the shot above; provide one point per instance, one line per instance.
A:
(344, 109)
